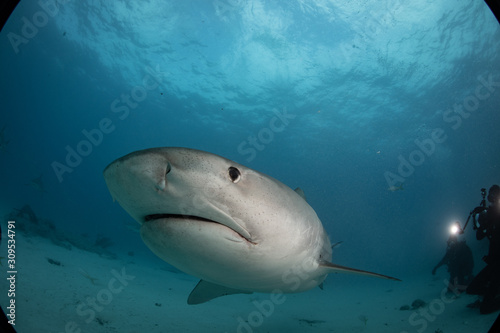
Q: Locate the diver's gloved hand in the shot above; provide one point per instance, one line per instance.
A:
(478, 210)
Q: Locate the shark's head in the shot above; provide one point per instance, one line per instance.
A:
(173, 183)
(220, 221)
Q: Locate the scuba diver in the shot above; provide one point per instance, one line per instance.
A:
(460, 263)
(487, 225)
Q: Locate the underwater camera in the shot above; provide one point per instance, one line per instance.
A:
(473, 213)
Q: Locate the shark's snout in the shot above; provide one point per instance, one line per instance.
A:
(138, 182)
(158, 184)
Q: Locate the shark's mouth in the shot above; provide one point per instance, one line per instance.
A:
(154, 217)
(176, 216)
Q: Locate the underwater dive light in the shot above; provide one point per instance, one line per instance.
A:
(455, 228)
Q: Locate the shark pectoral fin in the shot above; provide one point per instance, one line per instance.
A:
(333, 268)
(206, 291)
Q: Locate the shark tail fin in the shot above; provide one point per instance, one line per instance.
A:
(333, 268)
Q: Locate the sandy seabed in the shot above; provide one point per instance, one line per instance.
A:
(63, 290)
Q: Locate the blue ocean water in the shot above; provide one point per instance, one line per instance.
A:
(344, 99)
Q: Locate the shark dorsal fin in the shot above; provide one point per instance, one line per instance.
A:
(206, 291)
(300, 192)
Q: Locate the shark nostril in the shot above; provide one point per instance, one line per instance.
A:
(163, 182)
(169, 167)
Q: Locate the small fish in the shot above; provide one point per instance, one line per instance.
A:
(394, 188)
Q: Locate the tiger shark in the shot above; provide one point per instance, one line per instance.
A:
(238, 230)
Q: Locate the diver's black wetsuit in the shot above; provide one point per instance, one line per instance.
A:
(460, 264)
(487, 282)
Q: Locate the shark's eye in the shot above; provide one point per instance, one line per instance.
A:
(168, 169)
(234, 174)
